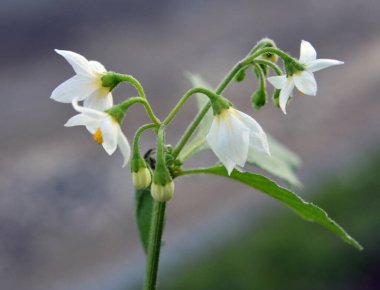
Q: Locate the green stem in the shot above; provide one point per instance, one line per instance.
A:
(154, 245)
(193, 125)
(272, 65)
(261, 76)
(185, 97)
(126, 104)
(133, 81)
(279, 52)
(138, 133)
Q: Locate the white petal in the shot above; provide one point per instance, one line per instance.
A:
(110, 132)
(305, 82)
(79, 63)
(285, 93)
(229, 139)
(319, 64)
(81, 120)
(124, 147)
(76, 87)
(257, 137)
(99, 100)
(278, 81)
(95, 114)
(308, 53)
(97, 67)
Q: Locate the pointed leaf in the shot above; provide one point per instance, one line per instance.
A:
(144, 208)
(305, 209)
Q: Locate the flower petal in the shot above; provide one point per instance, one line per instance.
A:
(97, 67)
(76, 87)
(285, 93)
(307, 52)
(95, 114)
(305, 82)
(99, 100)
(79, 63)
(257, 137)
(229, 139)
(110, 133)
(319, 64)
(81, 120)
(124, 147)
(278, 81)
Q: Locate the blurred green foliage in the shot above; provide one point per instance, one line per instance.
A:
(285, 252)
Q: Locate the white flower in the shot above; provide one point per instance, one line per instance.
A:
(303, 80)
(232, 134)
(104, 127)
(86, 85)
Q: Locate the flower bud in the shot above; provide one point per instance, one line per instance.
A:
(142, 178)
(162, 193)
(259, 98)
(141, 175)
(240, 76)
(162, 188)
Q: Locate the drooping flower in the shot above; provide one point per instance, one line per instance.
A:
(86, 85)
(232, 134)
(104, 127)
(303, 79)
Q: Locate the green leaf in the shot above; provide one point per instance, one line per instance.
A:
(305, 209)
(144, 209)
(282, 162)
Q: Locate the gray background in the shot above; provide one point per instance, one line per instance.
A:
(66, 208)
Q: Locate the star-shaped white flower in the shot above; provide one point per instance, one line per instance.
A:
(86, 85)
(104, 127)
(232, 134)
(303, 80)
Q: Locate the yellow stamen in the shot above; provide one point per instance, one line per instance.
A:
(98, 136)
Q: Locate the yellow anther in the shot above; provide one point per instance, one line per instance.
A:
(98, 136)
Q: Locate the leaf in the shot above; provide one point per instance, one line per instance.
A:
(144, 209)
(282, 163)
(305, 209)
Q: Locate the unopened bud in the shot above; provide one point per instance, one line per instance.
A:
(259, 98)
(142, 178)
(240, 76)
(162, 193)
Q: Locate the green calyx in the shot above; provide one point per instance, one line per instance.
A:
(117, 113)
(111, 80)
(293, 66)
(219, 103)
(161, 175)
(137, 163)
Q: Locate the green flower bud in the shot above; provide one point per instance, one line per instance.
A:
(142, 178)
(240, 76)
(259, 98)
(162, 193)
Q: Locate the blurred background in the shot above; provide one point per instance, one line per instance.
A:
(67, 209)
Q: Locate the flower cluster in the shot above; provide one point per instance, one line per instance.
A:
(231, 135)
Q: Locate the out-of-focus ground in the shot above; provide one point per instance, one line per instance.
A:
(66, 208)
